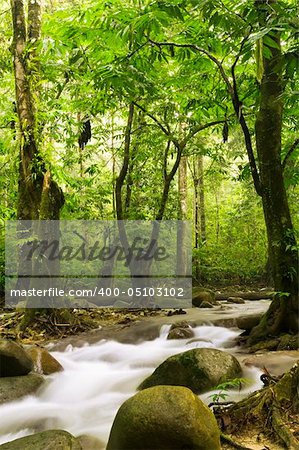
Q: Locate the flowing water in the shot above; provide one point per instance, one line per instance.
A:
(98, 378)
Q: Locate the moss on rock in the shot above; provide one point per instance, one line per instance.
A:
(198, 369)
(164, 418)
(13, 388)
(46, 440)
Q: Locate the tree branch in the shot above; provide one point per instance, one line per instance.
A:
(199, 128)
(160, 125)
(200, 50)
(124, 170)
(289, 153)
(233, 92)
(239, 113)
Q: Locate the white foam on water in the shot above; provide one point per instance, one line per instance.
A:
(97, 379)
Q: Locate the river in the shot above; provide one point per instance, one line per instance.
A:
(99, 377)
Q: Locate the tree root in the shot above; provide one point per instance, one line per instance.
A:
(268, 407)
(282, 430)
(228, 440)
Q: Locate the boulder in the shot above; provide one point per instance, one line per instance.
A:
(249, 322)
(14, 360)
(46, 440)
(180, 333)
(164, 418)
(13, 388)
(91, 443)
(199, 369)
(44, 362)
(200, 295)
(180, 330)
(206, 305)
(236, 300)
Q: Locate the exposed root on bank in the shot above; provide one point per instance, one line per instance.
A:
(228, 440)
(276, 408)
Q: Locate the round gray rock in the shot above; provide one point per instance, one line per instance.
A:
(14, 360)
(46, 440)
(164, 418)
(199, 369)
(13, 388)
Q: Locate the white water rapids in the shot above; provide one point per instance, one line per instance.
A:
(84, 398)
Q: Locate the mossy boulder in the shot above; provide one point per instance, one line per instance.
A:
(46, 440)
(164, 418)
(14, 360)
(236, 300)
(91, 443)
(198, 369)
(13, 388)
(200, 295)
(44, 362)
(180, 330)
(206, 305)
(249, 322)
(180, 333)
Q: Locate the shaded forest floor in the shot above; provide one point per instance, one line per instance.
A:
(62, 323)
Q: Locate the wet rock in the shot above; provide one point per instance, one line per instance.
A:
(200, 295)
(277, 363)
(91, 443)
(236, 300)
(44, 362)
(13, 388)
(288, 342)
(180, 330)
(206, 305)
(198, 369)
(46, 440)
(14, 360)
(164, 418)
(180, 333)
(249, 322)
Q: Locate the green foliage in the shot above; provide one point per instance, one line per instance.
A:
(96, 57)
(223, 388)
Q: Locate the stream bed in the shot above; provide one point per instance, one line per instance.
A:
(99, 377)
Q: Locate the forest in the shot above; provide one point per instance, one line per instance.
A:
(129, 113)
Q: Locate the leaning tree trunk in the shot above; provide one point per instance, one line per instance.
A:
(282, 316)
(39, 197)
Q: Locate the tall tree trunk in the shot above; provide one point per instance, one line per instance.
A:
(182, 216)
(203, 235)
(282, 316)
(39, 197)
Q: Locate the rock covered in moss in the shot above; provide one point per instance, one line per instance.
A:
(206, 305)
(198, 369)
(44, 362)
(164, 418)
(13, 388)
(90, 442)
(14, 360)
(249, 322)
(46, 440)
(180, 330)
(200, 295)
(236, 300)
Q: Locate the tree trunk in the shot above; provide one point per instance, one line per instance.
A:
(203, 235)
(39, 197)
(182, 216)
(282, 315)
